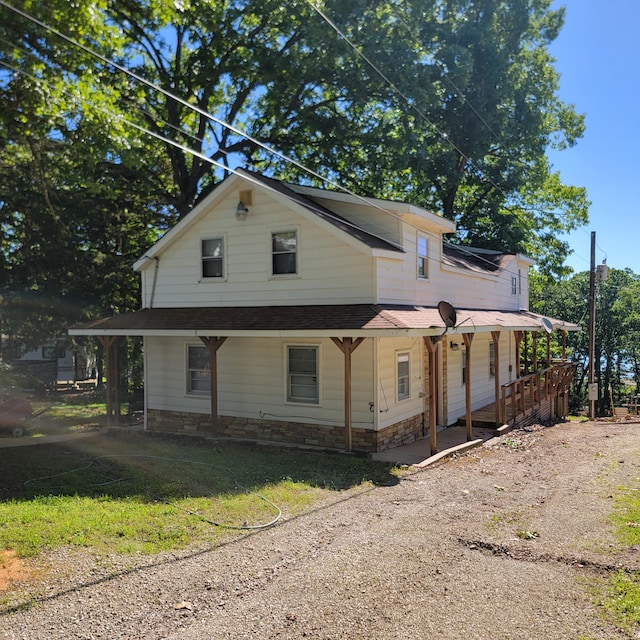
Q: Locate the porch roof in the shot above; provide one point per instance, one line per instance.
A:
(350, 320)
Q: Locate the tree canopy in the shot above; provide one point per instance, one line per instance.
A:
(450, 104)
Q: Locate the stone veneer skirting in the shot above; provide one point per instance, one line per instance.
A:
(316, 435)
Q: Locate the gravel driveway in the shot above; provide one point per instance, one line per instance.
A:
(435, 556)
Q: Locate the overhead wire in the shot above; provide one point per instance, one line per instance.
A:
(411, 104)
(367, 201)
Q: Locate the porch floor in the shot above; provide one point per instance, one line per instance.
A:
(449, 441)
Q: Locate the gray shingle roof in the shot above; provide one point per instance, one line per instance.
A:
(356, 319)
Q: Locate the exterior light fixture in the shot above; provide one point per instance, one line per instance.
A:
(241, 211)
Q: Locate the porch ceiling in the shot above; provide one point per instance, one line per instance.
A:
(366, 320)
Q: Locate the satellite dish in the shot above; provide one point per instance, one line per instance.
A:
(547, 325)
(447, 313)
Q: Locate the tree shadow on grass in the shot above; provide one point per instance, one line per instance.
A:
(152, 468)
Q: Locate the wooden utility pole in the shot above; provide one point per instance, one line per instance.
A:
(592, 325)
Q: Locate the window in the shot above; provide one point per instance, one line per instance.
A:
(514, 285)
(284, 248)
(302, 375)
(213, 258)
(423, 257)
(464, 367)
(402, 366)
(198, 370)
(520, 281)
(53, 351)
(492, 360)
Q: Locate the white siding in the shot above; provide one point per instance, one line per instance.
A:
(482, 383)
(251, 380)
(389, 409)
(398, 282)
(330, 269)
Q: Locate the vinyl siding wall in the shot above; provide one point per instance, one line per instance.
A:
(482, 384)
(398, 281)
(252, 380)
(389, 409)
(330, 270)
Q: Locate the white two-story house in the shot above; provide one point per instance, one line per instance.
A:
(280, 312)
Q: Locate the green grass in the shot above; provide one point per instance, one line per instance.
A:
(143, 494)
(619, 594)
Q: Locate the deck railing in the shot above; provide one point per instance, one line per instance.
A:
(525, 394)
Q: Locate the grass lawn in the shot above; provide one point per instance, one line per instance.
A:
(137, 493)
(619, 595)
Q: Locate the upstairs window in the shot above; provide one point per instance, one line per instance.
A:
(213, 258)
(198, 370)
(302, 373)
(423, 257)
(402, 372)
(514, 286)
(284, 252)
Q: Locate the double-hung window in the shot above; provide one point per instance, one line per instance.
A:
(402, 375)
(198, 370)
(302, 374)
(284, 253)
(423, 257)
(212, 252)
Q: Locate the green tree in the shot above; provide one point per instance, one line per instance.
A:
(616, 329)
(449, 104)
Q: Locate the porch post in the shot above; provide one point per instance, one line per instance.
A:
(347, 346)
(495, 336)
(548, 350)
(564, 345)
(431, 345)
(518, 338)
(112, 389)
(534, 346)
(213, 344)
(468, 338)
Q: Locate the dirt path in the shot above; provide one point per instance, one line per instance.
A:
(436, 556)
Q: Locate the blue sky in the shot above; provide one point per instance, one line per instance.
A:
(598, 56)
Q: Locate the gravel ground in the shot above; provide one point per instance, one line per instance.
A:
(437, 555)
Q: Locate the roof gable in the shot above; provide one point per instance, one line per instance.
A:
(279, 190)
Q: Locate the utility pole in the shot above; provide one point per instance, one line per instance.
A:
(593, 393)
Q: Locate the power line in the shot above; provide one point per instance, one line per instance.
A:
(234, 129)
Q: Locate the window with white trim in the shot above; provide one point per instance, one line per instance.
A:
(302, 374)
(514, 285)
(284, 253)
(423, 257)
(402, 376)
(212, 252)
(198, 370)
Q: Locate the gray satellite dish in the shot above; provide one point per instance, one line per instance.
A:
(547, 325)
(447, 313)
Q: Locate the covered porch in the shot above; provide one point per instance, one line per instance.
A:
(347, 326)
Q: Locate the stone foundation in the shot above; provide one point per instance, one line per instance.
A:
(314, 435)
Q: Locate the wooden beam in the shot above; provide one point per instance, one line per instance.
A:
(517, 335)
(347, 346)
(468, 339)
(112, 389)
(431, 345)
(495, 336)
(564, 344)
(213, 344)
